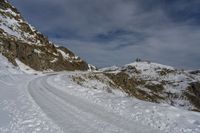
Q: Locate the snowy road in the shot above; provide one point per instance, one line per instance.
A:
(77, 115)
(66, 107)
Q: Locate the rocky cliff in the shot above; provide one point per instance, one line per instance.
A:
(21, 41)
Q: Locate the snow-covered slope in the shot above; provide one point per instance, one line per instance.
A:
(18, 112)
(19, 40)
(158, 83)
(6, 68)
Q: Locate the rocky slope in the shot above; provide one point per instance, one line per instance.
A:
(19, 40)
(150, 82)
(158, 83)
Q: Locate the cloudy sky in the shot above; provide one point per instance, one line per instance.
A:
(116, 32)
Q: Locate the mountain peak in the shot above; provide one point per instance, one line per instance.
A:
(19, 40)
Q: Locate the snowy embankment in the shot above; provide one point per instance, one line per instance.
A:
(18, 111)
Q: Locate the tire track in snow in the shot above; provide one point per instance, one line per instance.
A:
(75, 115)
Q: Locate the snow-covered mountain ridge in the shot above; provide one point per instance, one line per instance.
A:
(158, 83)
(19, 40)
(151, 82)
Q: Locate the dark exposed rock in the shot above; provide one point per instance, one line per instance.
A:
(4, 5)
(165, 71)
(193, 95)
(38, 57)
(130, 69)
(130, 86)
(195, 72)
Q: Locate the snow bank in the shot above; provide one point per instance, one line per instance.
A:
(6, 68)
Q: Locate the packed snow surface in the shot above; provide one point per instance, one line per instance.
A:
(54, 103)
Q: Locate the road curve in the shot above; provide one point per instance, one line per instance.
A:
(76, 115)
